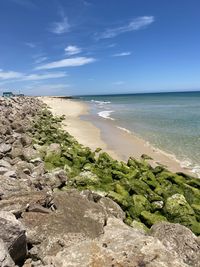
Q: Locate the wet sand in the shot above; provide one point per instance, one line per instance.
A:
(103, 133)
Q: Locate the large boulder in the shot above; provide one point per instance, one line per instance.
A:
(12, 232)
(75, 218)
(178, 210)
(179, 240)
(120, 245)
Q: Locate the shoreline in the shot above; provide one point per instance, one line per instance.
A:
(96, 133)
(83, 131)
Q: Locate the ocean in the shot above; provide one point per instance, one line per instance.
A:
(168, 121)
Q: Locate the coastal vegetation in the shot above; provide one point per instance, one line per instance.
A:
(146, 194)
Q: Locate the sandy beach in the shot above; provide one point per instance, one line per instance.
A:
(84, 132)
(118, 143)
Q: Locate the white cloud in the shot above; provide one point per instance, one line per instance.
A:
(36, 77)
(60, 27)
(18, 76)
(6, 75)
(68, 62)
(40, 60)
(72, 50)
(134, 25)
(122, 54)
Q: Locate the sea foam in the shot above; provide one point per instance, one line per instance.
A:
(106, 114)
(124, 129)
(100, 102)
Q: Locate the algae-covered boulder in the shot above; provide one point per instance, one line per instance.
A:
(86, 178)
(139, 203)
(123, 201)
(196, 209)
(178, 210)
(176, 206)
(157, 205)
(144, 193)
(150, 218)
(139, 226)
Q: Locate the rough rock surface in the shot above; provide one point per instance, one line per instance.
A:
(75, 218)
(44, 222)
(5, 259)
(120, 245)
(12, 232)
(179, 240)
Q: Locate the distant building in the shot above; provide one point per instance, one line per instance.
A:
(8, 94)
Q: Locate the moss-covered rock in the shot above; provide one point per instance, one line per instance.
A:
(139, 226)
(146, 194)
(139, 203)
(196, 209)
(121, 200)
(157, 205)
(176, 206)
(86, 178)
(149, 218)
(178, 210)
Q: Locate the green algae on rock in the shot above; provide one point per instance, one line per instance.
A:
(146, 194)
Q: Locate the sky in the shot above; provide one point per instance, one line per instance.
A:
(79, 47)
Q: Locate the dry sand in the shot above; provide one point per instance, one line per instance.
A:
(118, 143)
(84, 132)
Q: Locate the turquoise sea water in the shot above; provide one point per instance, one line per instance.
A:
(169, 121)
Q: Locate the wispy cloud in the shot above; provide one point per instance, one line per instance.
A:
(135, 25)
(123, 54)
(62, 26)
(72, 50)
(68, 62)
(36, 77)
(6, 75)
(19, 76)
(30, 44)
(39, 60)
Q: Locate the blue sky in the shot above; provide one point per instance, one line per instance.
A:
(72, 47)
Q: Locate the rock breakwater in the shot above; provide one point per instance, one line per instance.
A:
(62, 204)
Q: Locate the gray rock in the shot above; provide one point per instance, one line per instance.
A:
(10, 187)
(30, 153)
(11, 174)
(18, 204)
(17, 149)
(3, 170)
(26, 140)
(4, 163)
(180, 240)
(39, 170)
(12, 233)
(120, 245)
(4, 148)
(112, 208)
(75, 219)
(5, 259)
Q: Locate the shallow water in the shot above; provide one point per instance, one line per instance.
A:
(169, 121)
